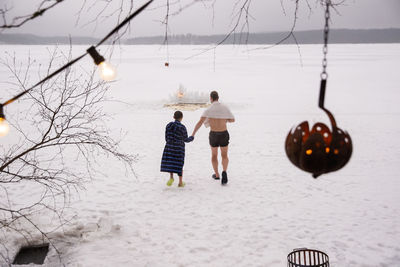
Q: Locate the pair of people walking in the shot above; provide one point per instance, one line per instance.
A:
(216, 117)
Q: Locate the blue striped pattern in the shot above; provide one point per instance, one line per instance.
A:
(173, 156)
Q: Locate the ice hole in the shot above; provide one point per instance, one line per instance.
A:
(187, 100)
(318, 128)
(326, 135)
(183, 96)
(32, 254)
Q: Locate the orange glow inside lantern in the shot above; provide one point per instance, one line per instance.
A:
(310, 150)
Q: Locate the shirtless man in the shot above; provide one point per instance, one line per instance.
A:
(216, 116)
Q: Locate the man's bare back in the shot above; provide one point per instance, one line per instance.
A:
(219, 125)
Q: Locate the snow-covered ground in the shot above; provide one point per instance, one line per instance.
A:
(269, 206)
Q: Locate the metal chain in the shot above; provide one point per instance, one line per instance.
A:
(324, 74)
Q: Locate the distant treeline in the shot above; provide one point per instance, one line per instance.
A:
(30, 39)
(303, 37)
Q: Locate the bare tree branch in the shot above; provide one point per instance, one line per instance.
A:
(243, 12)
(65, 122)
(21, 20)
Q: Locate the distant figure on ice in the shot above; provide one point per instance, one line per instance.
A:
(216, 117)
(174, 151)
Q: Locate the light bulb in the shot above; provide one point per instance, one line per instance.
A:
(107, 72)
(4, 127)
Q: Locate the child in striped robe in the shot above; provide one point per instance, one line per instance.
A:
(174, 151)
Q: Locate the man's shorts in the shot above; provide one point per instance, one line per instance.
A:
(219, 139)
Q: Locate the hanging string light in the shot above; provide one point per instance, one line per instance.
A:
(320, 151)
(107, 72)
(4, 128)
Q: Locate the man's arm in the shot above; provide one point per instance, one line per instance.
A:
(198, 125)
(230, 120)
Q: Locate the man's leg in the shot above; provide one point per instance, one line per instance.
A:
(214, 160)
(225, 159)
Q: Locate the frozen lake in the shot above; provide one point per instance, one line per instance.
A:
(269, 206)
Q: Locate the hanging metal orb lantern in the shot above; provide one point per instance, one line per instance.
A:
(319, 150)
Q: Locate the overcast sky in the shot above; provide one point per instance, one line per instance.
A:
(267, 15)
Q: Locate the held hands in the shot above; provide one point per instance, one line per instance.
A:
(191, 138)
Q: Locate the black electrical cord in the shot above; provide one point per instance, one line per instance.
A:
(119, 26)
(45, 79)
(124, 22)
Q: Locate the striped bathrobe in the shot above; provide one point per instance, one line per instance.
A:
(173, 156)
